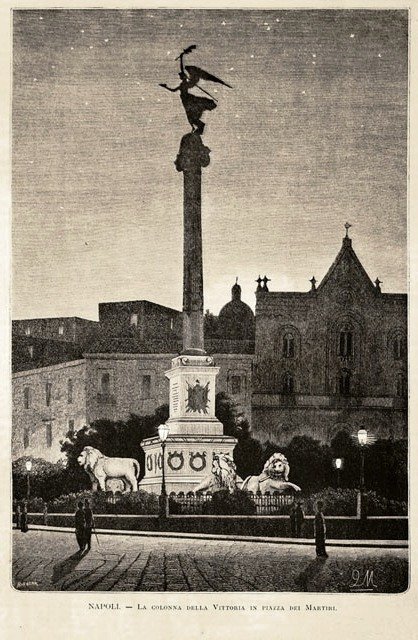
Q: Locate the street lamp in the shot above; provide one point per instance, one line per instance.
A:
(28, 465)
(338, 464)
(163, 431)
(362, 438)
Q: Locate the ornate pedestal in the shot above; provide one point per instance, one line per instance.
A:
(195, 433)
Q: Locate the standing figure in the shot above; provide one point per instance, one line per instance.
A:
(292, 518)
(45, 514)
(89, 523)
(320, 532)
(299, 517)
(80, 526)
(18, 514)
(24, 519)
(194, 106)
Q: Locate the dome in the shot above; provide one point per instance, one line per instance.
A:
(236, 319)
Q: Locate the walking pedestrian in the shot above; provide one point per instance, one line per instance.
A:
(18, 514)
(320, 531)
(45, 514)
(24, 519)
(88, 515)
(300, 518)
(292, 518)
(80, 526)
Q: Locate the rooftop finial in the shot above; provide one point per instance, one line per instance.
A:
(347, 226)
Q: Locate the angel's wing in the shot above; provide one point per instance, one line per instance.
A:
(197, 74)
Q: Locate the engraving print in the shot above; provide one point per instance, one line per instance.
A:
(209, 335)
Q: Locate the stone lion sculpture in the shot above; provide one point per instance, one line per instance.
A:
(274, 477)
(100, 468)
(223, 475)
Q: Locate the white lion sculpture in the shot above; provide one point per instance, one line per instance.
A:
(100, 468)
(274, 477)
(223, 475)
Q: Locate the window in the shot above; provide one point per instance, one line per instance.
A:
(48, 391)
(69, 391)
(171, 324)
(146, 387)
(26, 397)
(344, 382)
(346, 343)
(27, 331)
(30, 350)
(71, 426)
(235, 385)
(400, 385)
(48, 434)
(288, 346)
(61, 330)
(398, 348)
(133, 320)
(105, 383)
(25, 437)
(288, 384)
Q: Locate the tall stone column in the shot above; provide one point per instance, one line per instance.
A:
(192, 156)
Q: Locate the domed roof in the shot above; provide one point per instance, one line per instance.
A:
(236, 319)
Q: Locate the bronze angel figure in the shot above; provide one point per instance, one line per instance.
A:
(194, 106)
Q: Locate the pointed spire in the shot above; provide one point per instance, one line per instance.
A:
(377, 283)
(347, 226)
(313, 283)
(236, 290)
(259, 281)
(265, 281)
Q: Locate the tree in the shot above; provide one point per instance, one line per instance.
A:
(114, 439)
(47, 479)
(310, 463)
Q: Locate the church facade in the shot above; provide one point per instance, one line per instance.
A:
(331, 359)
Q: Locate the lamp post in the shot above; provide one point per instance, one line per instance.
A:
(338, 463)
(362, 438)
(163, 431)
(28, 469)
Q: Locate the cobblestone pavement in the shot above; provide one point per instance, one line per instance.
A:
(47, 561)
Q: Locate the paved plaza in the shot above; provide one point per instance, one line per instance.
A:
(47, 561)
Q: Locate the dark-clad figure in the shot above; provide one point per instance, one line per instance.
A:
(24, 519)
(18, 513)
(320, 532)
(80, 526)
(88, 516)
(300, 518)
(292, 518)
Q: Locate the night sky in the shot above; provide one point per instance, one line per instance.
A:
(313, 134)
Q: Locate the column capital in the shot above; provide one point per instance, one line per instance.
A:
(192, 155)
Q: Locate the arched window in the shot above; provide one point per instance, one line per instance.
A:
(344, 382)
(26, 397)
(288, 346)
(25, 436)
(70, 388)
(346, 346)
(105, 383)
(133, 321)
(288, 383)
(398, 347)
(61, 330)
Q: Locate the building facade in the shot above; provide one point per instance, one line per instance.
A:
(309, 363)
(331, 359)
(48, 403)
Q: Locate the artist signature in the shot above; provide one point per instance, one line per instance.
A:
(26, 583)
(362, 580)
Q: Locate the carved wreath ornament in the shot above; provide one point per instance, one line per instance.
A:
(194, 458)
(175, 460)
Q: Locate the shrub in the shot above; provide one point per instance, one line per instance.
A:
(139, 503)
(226, 503)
